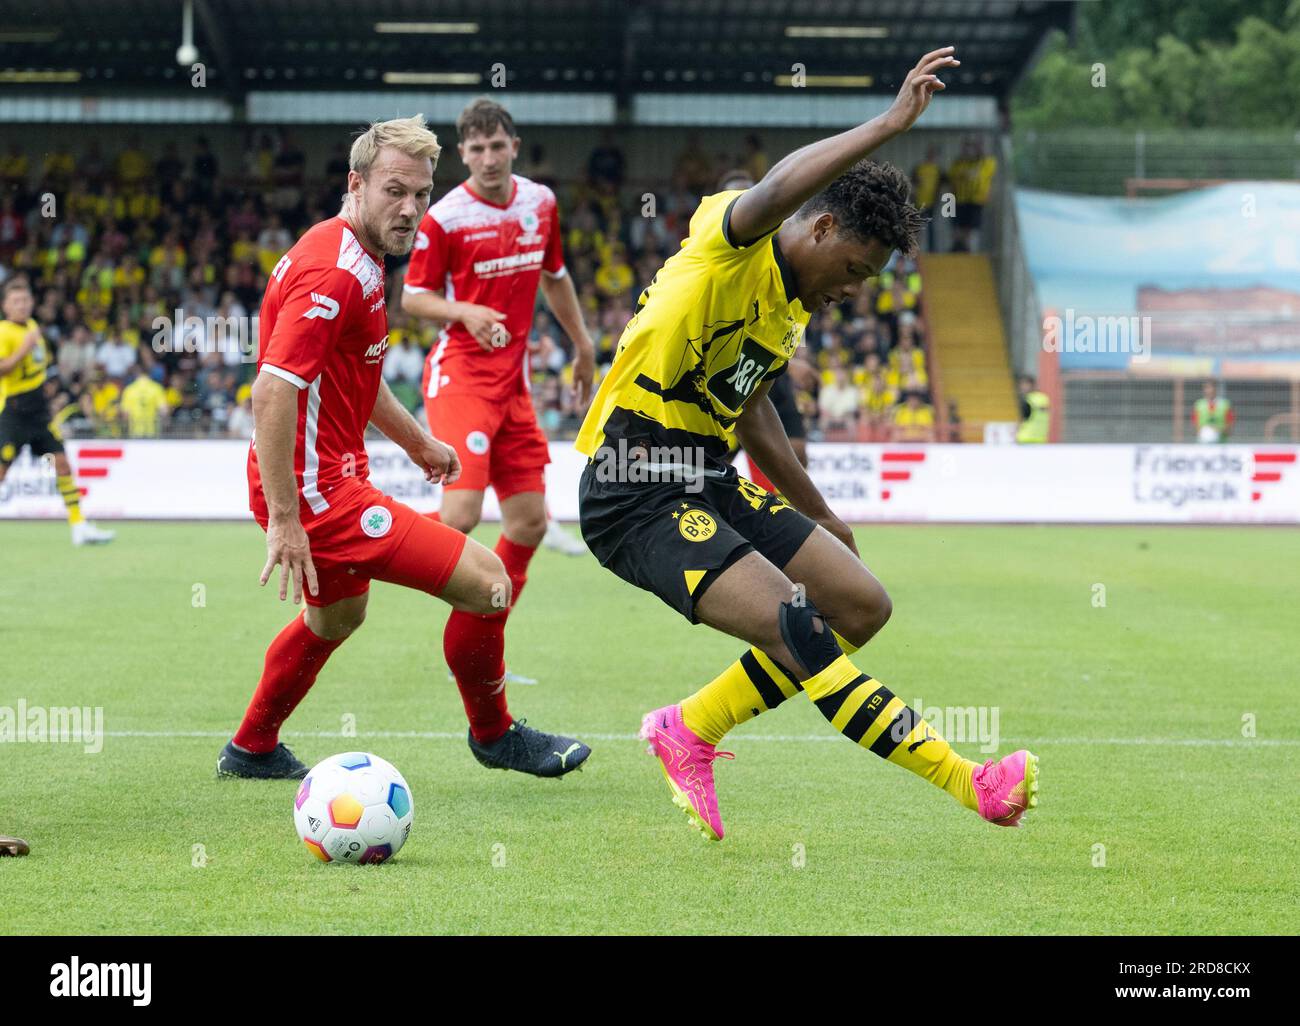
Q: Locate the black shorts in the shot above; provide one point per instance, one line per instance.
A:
(25, 420)
(674, 538)
(782, 396)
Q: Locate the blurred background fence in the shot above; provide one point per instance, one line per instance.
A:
(1102, 161)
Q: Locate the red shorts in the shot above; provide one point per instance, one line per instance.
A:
(499, 442)
(366, 535)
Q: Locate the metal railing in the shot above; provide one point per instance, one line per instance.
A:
(1100, 161)
(1117, 407)
(1017, 293)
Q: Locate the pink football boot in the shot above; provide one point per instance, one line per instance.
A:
(687, 763)
(1007, 788)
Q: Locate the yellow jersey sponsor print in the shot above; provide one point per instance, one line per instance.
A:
(29, 372)
(716, 321)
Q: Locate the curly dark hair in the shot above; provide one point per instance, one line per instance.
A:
(871, 201)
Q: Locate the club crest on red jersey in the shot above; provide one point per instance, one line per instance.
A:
(376, 521)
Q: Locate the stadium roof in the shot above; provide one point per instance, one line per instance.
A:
(610, 46)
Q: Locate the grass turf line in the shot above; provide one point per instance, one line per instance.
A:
(1191, 639)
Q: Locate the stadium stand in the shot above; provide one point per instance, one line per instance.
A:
(969, 342)
(147, 289)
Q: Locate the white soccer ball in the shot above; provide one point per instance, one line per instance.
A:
(353, 807)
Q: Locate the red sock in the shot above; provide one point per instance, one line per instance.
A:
(516, 558)
(292, 662)
(475, 646)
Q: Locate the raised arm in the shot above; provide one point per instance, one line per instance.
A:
(804, 173)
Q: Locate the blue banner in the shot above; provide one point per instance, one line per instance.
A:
(1210, 276)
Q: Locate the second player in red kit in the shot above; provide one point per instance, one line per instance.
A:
(481, 254)
(491, 255)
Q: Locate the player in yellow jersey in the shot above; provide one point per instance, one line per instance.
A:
(662, 510)
(24, 412)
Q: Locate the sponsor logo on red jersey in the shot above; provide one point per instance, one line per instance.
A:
(476, 251)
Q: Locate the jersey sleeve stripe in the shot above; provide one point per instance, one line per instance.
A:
(414, 288)
(311, 458)
(726, 225)
(435, 359)
(288, 376)
(555, 275)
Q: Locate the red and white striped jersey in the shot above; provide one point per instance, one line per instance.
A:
(476, 251)
(323, 328)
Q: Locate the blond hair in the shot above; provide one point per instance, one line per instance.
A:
(407, 135)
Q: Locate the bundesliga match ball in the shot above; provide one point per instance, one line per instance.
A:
(353, 807)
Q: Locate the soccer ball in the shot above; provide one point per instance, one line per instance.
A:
(353, 807)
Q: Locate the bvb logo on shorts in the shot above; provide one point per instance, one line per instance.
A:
(696, 526)
(476, 442)
(376, 522)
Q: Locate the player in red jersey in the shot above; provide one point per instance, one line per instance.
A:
(482, 252)
(323, 334)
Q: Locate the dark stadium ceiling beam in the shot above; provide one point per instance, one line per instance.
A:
(1052, 17)
(228, 77)
(671, 46)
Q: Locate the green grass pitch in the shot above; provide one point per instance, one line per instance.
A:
(1139, 709)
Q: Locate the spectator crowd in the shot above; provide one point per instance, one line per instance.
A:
(148, 271)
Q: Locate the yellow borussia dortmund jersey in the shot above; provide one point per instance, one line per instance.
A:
(716, 321)
(879, 399)
(142, 402)
(29, 372)
(982, 179)
(920, 418)
(927, 184)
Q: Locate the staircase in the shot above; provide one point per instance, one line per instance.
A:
(967, 342)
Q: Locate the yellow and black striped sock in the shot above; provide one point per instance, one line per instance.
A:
(71, 497)
(869, 714)
(753, 684)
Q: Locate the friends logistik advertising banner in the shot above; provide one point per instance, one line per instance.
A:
(1202, 282)
(1060, 483)
(938, 483)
